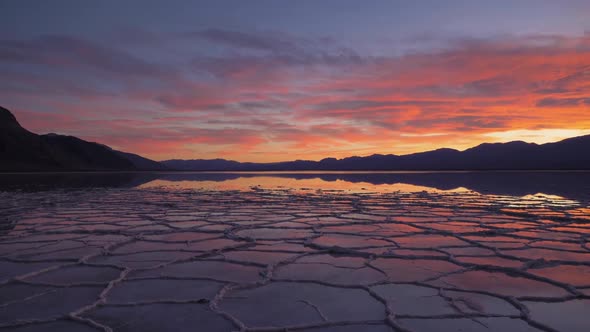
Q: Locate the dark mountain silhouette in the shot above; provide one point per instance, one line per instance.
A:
(142, 163)
(569, 154)
(21, 150)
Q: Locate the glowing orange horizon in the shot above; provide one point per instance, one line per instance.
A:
(535, 89)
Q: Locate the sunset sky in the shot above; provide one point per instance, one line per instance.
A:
(307, 79)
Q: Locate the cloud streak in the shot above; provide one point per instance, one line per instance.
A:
(269, 96)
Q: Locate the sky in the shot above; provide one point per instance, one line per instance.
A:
(279, 80)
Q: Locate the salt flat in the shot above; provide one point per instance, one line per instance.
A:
(157, 259)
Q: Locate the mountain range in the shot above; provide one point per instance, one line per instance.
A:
(569, 154)
(21, 150)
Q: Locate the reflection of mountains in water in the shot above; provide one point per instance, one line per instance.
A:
(49, 181)
(572, 185)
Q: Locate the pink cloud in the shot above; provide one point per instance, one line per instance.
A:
(310, 103)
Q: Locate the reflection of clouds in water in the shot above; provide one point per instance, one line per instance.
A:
(553, 199)
(269, 182)
(318, 184)
(537, 200)
(568, 185)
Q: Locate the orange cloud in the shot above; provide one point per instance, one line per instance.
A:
(306, 105)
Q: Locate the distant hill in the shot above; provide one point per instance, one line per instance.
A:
(569, 154)
(21, 150)
(142, 163)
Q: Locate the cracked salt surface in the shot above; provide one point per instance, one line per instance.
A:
(157, 259)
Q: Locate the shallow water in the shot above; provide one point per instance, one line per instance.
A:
(307, 251)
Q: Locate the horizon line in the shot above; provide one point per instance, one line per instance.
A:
(370, 155)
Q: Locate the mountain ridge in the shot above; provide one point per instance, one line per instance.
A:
(22, 150)
(567, 154)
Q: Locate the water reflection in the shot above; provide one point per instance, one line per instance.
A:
(288, 183)
(569, 185)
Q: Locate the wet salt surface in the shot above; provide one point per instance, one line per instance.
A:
(156, 259)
